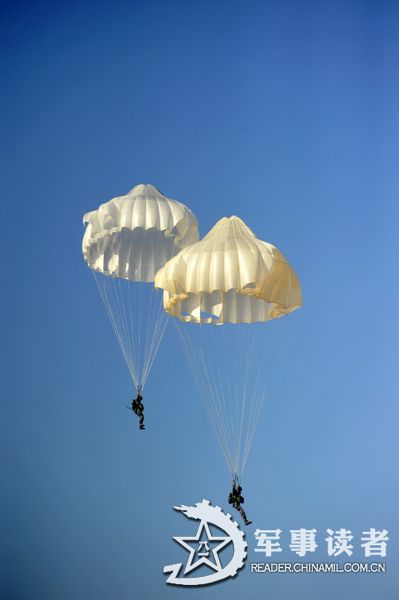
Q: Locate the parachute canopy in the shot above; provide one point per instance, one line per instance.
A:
(133, 236)
(229, 277)
(125, 242)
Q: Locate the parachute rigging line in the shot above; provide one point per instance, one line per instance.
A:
(138, 319)
(233, 399)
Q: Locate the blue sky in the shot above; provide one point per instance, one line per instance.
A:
(282, 113)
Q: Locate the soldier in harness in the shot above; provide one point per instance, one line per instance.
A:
(138, 409)
(236, 500)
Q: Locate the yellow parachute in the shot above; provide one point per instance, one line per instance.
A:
(238, 282)
(229, 277)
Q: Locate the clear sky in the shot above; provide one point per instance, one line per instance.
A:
(284, 113)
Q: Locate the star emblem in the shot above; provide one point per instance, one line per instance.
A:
(200, 547)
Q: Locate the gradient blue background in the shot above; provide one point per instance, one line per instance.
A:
(285, 113)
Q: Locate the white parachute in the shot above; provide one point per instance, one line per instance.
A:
(126, 241)
(235, 282)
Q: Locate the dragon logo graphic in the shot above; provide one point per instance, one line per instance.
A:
(204, 547)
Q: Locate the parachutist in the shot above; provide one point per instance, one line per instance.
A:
(236, 500)
(138, 409)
